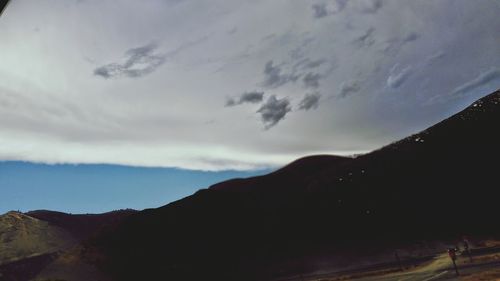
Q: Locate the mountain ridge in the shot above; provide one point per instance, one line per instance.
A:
(432, 185)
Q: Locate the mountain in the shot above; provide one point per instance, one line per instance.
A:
(81, 226)
(291, 178)
(437, 184)
(49, 242)
(22, 236)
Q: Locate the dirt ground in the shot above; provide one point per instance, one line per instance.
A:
(490, 275)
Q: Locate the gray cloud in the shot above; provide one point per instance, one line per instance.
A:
(248, 97)
(299, 51)
(310, 101)
(311, 80)
(139, 62)
(435, 57)
(186, 91)
(370, 6)
(341, 4)
(366, 39)
(394, 45)
(481, 80)
(142, 60)
(396, 79)
(274, 110)
(323, 9)
(269, 37)
(273, 76)
(348, 88)
(319, 10)
(316, 63)
(412, 36)
(307, 63)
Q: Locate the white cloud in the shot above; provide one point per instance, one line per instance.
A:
(482, 80)
(398, 77)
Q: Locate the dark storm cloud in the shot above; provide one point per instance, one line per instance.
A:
(248, 97)
(481, 80)
(311, 80)
(139, 62)
(349, 88)
(310, 101)
(274, 110)
(274, 77)
(366, 39)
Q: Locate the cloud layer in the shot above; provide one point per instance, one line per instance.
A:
(204, 85)
(138, 62)
(481, 80)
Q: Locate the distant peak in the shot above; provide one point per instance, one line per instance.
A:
(17, 215)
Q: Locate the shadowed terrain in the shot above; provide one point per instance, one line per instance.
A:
(437, 184)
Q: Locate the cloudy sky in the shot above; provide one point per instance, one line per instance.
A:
(226, 84)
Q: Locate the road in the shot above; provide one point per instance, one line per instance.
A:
(440, 269)
(428, 268)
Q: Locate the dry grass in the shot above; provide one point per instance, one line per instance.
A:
(365, 274)
(70, 266)
(360, 275)
(22, 236)
(489, 275)
(487, 258)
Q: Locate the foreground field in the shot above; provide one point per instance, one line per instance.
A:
(482, 267)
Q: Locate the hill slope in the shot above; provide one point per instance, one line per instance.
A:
(291, 178)
(439, 183)
(81, 226)
(47, 245)
(22, 236)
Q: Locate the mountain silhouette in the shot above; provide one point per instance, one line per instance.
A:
(437, 184)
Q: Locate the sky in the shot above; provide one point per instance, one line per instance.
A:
(234, 85)
(98, 188)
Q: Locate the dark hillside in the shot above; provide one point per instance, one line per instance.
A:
(82, 225)
(442, 182)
